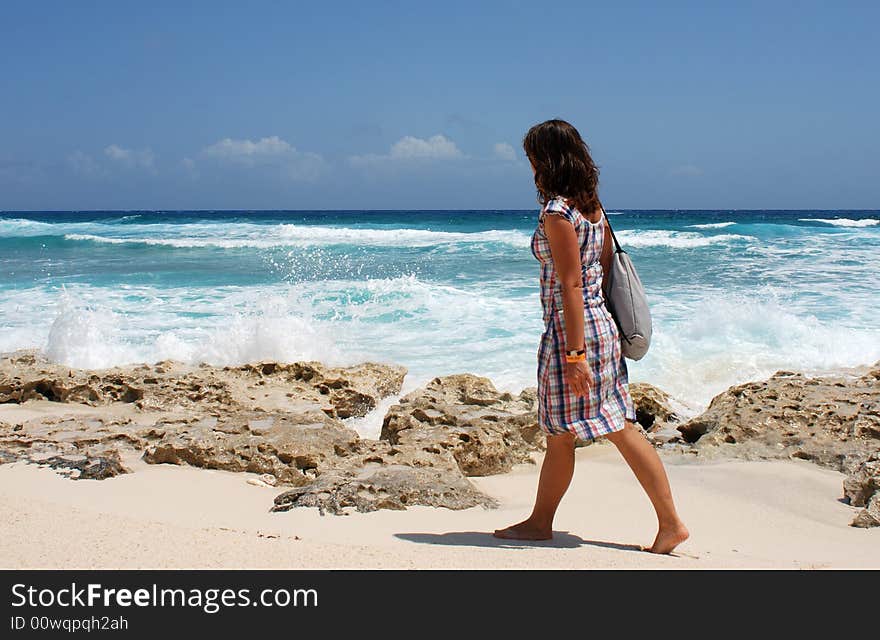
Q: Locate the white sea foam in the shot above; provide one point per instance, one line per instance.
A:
(844, 222)
(703, 342)
(102, 328)
(336, 321)
(238, 234)
(286, 235)
(12, 227)
(93, 238)
(702, 348)
(22, 227)
(676, 239)
(711, 225)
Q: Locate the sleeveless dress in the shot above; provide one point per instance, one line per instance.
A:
(609, 402)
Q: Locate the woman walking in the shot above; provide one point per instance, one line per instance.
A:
(583, 388)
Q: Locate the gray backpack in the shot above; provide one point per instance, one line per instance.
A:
(625, 299)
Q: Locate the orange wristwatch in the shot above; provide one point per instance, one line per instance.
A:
(577, 355)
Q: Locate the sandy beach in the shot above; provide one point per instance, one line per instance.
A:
(783, 514)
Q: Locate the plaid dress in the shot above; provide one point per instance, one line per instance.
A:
(608, 402)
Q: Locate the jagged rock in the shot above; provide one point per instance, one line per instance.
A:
(89, 468)
(91, 446)
(653, 406)
(487, 432)
(88, 465)
(455, 426)
(340, 392)
(833, 421)
(294, 448)
(656, 416)
(870, 515)
(863, 482)
(265, 417)
(350, 391)
(862, 489)
(388, 477)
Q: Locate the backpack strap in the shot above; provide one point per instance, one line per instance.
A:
(617, 246)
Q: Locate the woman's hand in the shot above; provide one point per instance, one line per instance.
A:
(578, 377)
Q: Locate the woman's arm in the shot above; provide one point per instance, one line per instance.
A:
(566, 254)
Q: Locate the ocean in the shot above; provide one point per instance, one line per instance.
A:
(735, 295)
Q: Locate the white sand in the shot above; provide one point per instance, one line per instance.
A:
(741, 514)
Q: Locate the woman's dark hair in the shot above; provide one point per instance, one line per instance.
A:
(563, 165)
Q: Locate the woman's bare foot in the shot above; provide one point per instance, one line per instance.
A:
(526, 530)
(668, 538)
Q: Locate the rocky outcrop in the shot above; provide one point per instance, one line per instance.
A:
(87, 467)
(295, 448)
(870, 515)
(456, 426)
(95, 458)
(168, 386)
(267, 417)
(486, 432)
(388, 477)
(654, 408)
(285, 421)
(655, 413)
(862, 489)
(833, 421)
(87, 446)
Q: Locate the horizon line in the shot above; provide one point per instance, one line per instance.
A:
(166, 210)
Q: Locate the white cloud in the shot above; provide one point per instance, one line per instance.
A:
(248, 152)
(434, 147)
(504, 151)
(117, 153)
(129, 157)
(410, 148)
(271, 152)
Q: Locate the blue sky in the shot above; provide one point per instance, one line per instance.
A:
(398, 105)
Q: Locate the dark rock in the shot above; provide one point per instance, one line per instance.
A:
(89, 468)
(653, 406)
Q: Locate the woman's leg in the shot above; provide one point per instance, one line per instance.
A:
(556, 473)
(646, 464)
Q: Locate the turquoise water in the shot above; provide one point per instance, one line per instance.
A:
(735, 295)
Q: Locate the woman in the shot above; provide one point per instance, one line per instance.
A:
(583, 387)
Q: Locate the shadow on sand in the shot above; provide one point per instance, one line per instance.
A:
(560, 540)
